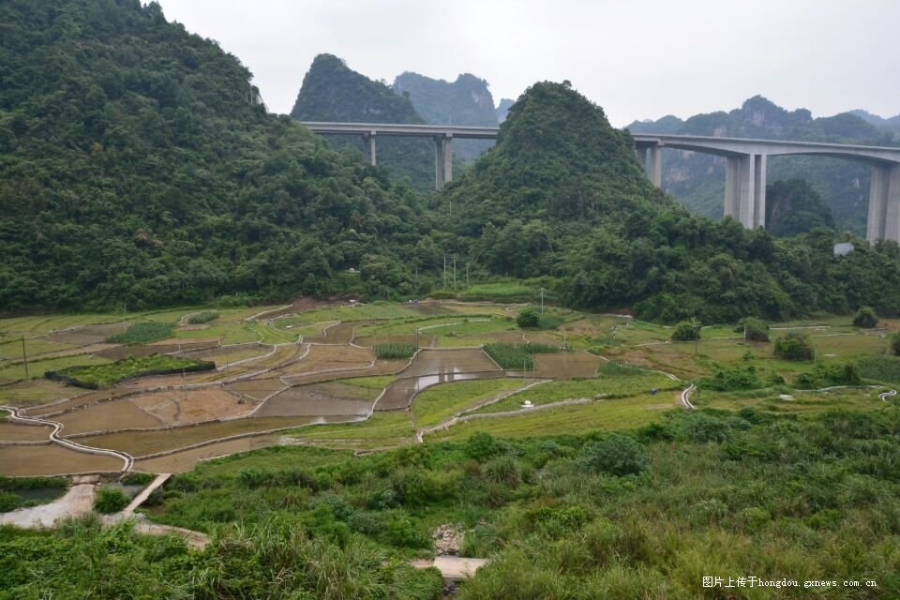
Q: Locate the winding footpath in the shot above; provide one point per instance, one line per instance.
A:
(54, 438)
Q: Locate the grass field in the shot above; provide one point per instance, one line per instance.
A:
(381, 430)
(37, 368)
(443, 401)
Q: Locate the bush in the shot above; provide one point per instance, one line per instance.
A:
(394, 350)
(895, 343)
(880, 368)
(794, 346)
(138, 478)
(143, 332)
(110, 500)
(9, 502)
(528, 319)
(204, 317)
(483, 445)
(616, 454)
(822, 376)
(687, 331)
(865, 317)
(505, 470)
(731, 380)
(754, 330)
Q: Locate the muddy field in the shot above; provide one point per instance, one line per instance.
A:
(566, 364)
(80, 398)
(118, 414)
(142, 443)
(381, 367)
(15, 432)
(342, 333)
(85, 336)
(178, 407)
(322, 358)
(257, 389)
(180, 462)
(321, 399)
(52, 459)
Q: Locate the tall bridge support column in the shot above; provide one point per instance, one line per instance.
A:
(745, 189)
(640, 152)
(369, 142)
(654, 167)
(443, 160)
(884, 203)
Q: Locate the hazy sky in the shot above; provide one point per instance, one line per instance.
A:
(636, 58)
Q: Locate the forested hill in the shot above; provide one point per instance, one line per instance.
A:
(698, 180)
(561, 194)
(332, 91)
(136, 167)
(466, 101)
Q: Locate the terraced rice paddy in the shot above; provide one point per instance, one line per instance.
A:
(179, 462)
(323, 399)
(178, 407)
(15, 432)
(108, 416)
(52, 459)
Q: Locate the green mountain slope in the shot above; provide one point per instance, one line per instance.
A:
(466, 101)
(698, 180)
(332, 91)
(562, 194)
(137, 167)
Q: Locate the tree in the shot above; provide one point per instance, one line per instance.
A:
(794, 346)
(754, 330)
(687, 331)
(865, 318)
(528, 319)
(895, 343)
(615, 454)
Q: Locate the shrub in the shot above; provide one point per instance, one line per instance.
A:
(505, 470)
(204, 317)
(110, 500)
(687, 331)
(138, 478)
(143, 332)
(754, 330)
(731, 380)
(616, 454)
(880, 368)
(865, 317)
(895, 343)
(8, 502)
(515, 356)
(794, 346)
(822, 376)
(483, 445)
(394, 350)
(528, 319)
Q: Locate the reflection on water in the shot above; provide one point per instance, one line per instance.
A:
(420, 383)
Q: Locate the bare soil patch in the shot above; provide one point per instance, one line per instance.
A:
(322, 358)
(76, 401)
(176, 407)
(86, 336)
(17, 432)
(567, 364)
(118, 414)
(52, 459)
(257, 388)
(179, 462)
(342, 333)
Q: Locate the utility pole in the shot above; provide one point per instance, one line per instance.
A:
(542, 300)
(454, 272)
(467, 274)
(25, 358)
(445, 271)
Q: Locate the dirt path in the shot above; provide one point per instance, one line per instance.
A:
(685, 397)
(78, 500)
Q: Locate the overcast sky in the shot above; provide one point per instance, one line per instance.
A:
(638, 59)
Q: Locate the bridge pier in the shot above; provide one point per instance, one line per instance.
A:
(884, 203)
(654, 166)
(369, 142)
(745, 189)
(443, 160)
(640, 153)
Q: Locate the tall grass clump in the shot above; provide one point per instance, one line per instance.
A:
(204, 317)
(143, 332)
(517, 356)
(394, 350)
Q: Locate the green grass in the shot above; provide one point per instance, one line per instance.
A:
(798, 403)
(599, 415)
(443, 401)
(106, 375)
(37, 368)
(599, 387)
(500, 290)
(880, 368)
(382, 429)
(395, 350)
(277, 457)
(235, 332)
(375, 382)
(144, 332)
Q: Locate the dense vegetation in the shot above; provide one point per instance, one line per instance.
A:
(203, 317)
(137, 167)
(108, 374)
(394, 350)
(333, 92)
(466, 101)
(794, 207)
(596, 516)
(143, 332)
(698, 179)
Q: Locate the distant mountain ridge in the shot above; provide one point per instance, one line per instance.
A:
(697, 180)
(465, 101)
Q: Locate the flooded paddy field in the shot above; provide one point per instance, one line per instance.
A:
(436, 362)
(52, 459)
(333, 398)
